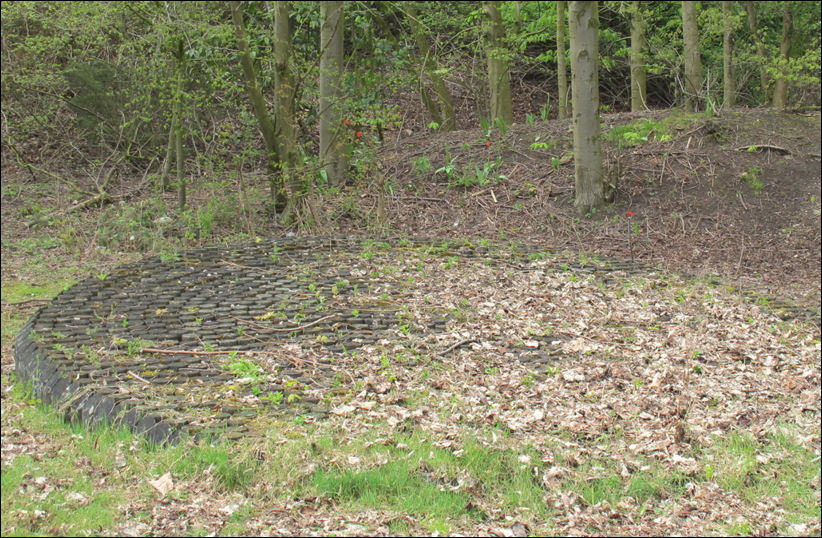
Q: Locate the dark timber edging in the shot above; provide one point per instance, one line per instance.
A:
(83, 352)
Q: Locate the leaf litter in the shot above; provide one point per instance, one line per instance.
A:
(633, 369)
(570, 371)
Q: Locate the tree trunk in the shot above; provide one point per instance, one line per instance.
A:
(165, 182)
(693, 63)
(729, 78)
(175, 130)
(445, 116)
(562, 70)
(760, 49)
(284, 84)
(332, 141)
(178, 130)
(780, 90)
(583, 26)
(264, 121)
(499, 78)
(284, 90)
(639, 74)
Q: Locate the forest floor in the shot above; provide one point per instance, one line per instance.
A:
(733, 198)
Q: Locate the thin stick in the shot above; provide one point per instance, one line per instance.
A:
(455, 346)
(664, 160)
(135, 376)
(247, 322)
(19, 303)
(289, 329)
(757, 147)
(741, 254)
(183, 352)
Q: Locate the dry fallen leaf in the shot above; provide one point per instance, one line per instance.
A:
(119, 459)
(76, 496)
(516, 530)
(164, 484)
(343, 410)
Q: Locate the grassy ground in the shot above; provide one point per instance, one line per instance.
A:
(744, 459)
(339, 476)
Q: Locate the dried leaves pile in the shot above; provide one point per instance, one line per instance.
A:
(582, 368)
(575, 367)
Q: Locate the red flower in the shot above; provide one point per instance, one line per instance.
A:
(488, 143)
(347, 122)
(359, 134)
(630, 214)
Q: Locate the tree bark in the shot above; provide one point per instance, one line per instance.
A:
(562, 70)
(264, 121)
(173, 152)
(780, 90)
(332, 156)
(693, 62)
(284, 84)
(499, 78)
(760, 49)
(178, 129)
(728, 75)
(445, 116)
(583, 26)
(639, 76)
(165, 183)
(284, 90)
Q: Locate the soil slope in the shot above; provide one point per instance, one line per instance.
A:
(736, 195)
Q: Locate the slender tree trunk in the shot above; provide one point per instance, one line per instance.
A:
(331, 56)
(583, 25)
(760, 49)
(175, 130)
(693, 62)
(178, 131)
(284, 89)
(780, 90)
(729, 77)
(499, 78)
(445, 116)
(265, 123)
(639, 74)
(430, 105)
(165, 182)
(284, 84)
(562, 70)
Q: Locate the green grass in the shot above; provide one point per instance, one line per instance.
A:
(395, 486)
(232, 469)
(56, 495)
(644, 130)
(75, 491)
(15, 291)
(432, 483)
(777, 466)
(600, 481)
(405, 473)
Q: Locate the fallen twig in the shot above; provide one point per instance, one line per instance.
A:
(184, 352)
(19, 303)
(451, 348)
(100, 198)
(135, 376)
(286, 329)
(757, 147)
